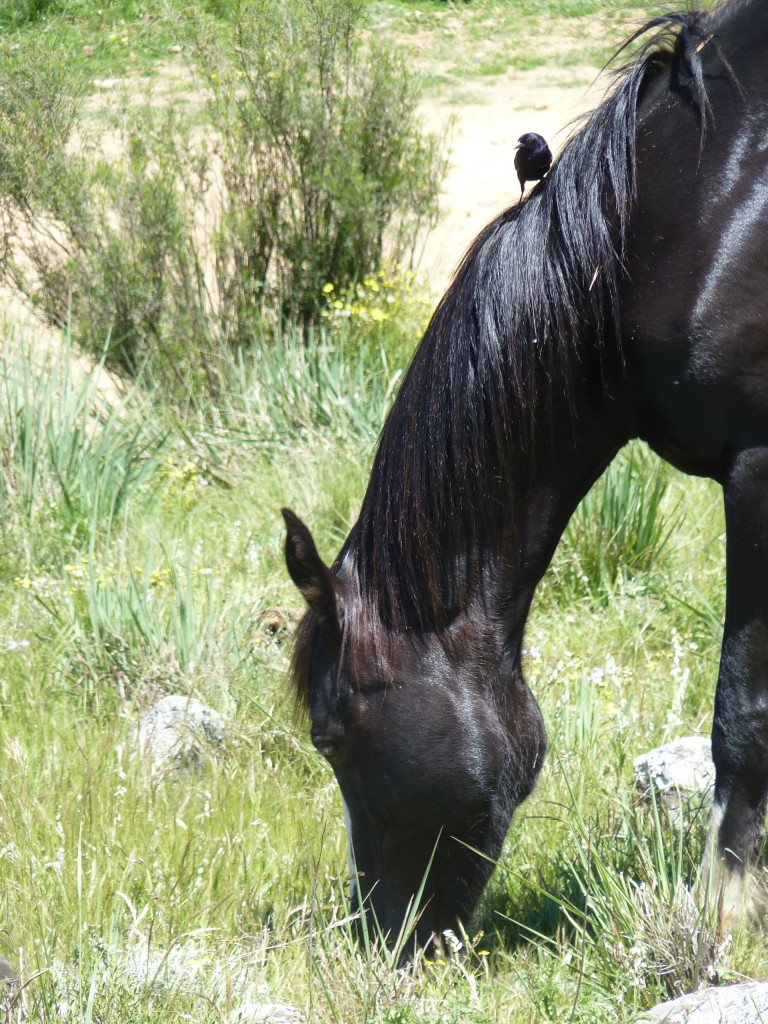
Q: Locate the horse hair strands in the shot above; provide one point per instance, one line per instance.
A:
(537, 287)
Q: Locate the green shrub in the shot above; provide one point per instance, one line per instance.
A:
(200, 231)
(383, 312)
(107, 244)
(40, 105)
(323, 162)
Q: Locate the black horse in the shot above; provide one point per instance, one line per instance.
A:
(627, 297)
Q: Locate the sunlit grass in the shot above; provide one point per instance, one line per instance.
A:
(136, 896)
(456, 43)
(450, 42)
(141, 555)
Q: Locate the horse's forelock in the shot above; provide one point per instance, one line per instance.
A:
(301, 658)
(364, 643)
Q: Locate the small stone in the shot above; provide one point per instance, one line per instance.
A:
(175, 48)
(731, 1004)
(680, 774)
(177, 733)
(88, 51)
(11, 1010)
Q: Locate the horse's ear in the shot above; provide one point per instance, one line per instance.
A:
(317, 584)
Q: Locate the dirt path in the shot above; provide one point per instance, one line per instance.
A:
(483, 130)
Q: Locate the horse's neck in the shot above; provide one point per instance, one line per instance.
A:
(565, 468)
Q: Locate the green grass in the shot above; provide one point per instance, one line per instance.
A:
(138, 899)
(454, 41)
(141, 554)
(457, 43)
(110, 38)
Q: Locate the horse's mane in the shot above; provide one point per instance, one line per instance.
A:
(537, 288)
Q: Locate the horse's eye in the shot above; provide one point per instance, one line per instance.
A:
(327, 740)
(329, 751)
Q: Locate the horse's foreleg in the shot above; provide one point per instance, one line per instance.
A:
(740, 728)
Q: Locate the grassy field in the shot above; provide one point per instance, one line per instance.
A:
(460, 40)
(454, 43)
(141, 555)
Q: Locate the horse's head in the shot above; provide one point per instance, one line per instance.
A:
(426, 751)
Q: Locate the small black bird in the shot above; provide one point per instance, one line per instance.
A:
(532, 159)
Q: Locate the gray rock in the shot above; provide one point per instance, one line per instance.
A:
(11, 1010)
(732, 1004)
(680, 774)
(266, 1013)
(178, 732)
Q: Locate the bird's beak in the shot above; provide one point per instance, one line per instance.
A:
(519, 145)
